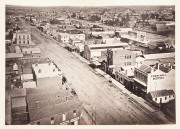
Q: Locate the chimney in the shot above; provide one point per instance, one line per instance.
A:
(157, 65)
(152, 69)
(125, 72)
(54, 70)
(39, 71)
(169, 64)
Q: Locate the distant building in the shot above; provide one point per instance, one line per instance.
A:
(31, 51)
(65, 37)
(119, 58)
(23, 37)
(96, 50)
(122, 31)
(17, 49)
(161, 27)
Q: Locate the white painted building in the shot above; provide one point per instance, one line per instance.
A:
(148, 79)
(95, 50)
(65, 37)
(161, 96)
(23, 37)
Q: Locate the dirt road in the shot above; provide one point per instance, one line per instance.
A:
(108, 105)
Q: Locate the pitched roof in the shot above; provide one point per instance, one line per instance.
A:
(106, 46)
(49, 111)
(159, 56)
(164, 69)
(16, 92)
(150, 62)
(26, 76)
(31, 84)
(145, 68)
(14, 55)
(161, 93)
(18, 102)
(167, 60)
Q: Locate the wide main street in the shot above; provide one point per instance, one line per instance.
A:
(109, 105)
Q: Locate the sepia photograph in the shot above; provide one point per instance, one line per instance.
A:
(80, 62)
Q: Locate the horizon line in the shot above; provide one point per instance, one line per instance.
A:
(83, 5)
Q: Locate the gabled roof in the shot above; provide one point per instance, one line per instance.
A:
(159, 56)
(31, 84)
(161, 93)
(167, 60)
(18, 102)
(106, 46)
(145, 68)
(26, 76)
(164, 69)
(49, 111)
(14, 55)
(16, 92)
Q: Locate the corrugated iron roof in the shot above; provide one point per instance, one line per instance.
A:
(159, 56)
(161, 93)
(145, 68)
(49, 111)
(18, 102)
(164, 69)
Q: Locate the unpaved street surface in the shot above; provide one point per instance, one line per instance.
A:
(105, 103)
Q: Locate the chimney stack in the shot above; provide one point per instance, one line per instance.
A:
(157, 65)
(125, 72)
(39, 71)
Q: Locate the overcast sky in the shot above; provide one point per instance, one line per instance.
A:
(88, 2)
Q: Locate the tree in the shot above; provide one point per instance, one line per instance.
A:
(73, 15)
(144, 16)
